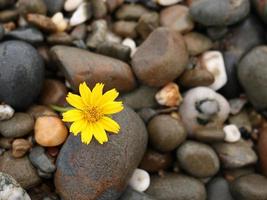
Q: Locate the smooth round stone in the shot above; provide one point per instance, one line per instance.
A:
(209, 135)
(32, 6)
(19, 125)
(60, 21)
(174, 186)
(99, 9)
(252, 75)
(198, 159)
(6, 112)
(235, 155)
(54, 6)
(130, 12)
(20, 147)
(40, 160)
(147, 23)
(42, 22)
(167, 2)
(253, 186)
(142, 97)
(39, 110)
(218, 189)
(21, 79)
(140, 180)
(31, 35)
(166, 133)
(161, 58)
(197, 43)
(80, 65)
(131, 194)
(71, 5)
(103, 170)
(82, 14)
(219, 12)
(50, 131)
(154, 161)
(125, 28)
(10, 189)
(261, 147)
(20, 169)
(177, 18)
(232, 174)
(232, 133)
(60, 39)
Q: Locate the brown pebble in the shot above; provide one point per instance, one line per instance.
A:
(6, 143)
(20, 147)
(38, 110)
(50, 131)
(42, 22)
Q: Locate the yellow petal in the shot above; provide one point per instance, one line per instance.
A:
(110, 125)
(86, 135)
(112, 107)
(78, 126)
(110, 95)
(97, 93)
(85, 93)
(72, 115)
(99, 133)
(75, 101)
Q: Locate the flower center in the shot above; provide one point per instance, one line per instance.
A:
(93, 114)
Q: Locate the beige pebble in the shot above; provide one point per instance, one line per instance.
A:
(50, 131)
(60, 22)
(20, 147)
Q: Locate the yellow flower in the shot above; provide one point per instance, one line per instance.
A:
(90, 113)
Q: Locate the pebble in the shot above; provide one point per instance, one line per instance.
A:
(235, 155)
(232, 133)
(214, 63)
(54, 92)
(198, 159)
(218, 189)
(54, 6)
(10, 189)
(168, 2)
(131, 194)
(197, 43)
(40, 160)
(260, 9)
(26, 74)
(125, 28)
(80, 65)
(115, 50)
(252, 186)
(32, 6)
(19, 125)
(219, 12)
(202, 107)
(71, 5)
(166, 133)
(20, 169)
(6, 3)
(177, 18)
(6, 143)
(6, 112)
(113, 4)
(45, 175)
(147, 23)
(40, 110)
(163, 188)
(79, 32)
(130, 43)
(60, 38)
(130, 12)
(261, 147)
(105, 178)
(98, 34)
(42, 22)
(232, 174)
(60, 22)
(154, 161)
(99, 8)
(50, 131)
(20, 147)
(162, 46)
(209, 134)
(8, 15)
(31, 35)
(236, 105)
(251, 69)
(195, 77)
(82, 14)
(241, 120)
(140, 180)
(169, 95)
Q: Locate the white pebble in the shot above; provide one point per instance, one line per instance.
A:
(60, 22)
(130, 43)
(236, 105)
(80, 15)
(214, 63)
(6, 112)
(140, 180)
(232, 133)
(71, 5)
(168, 2)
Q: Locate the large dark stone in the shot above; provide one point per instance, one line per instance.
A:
(94, 171)
(21, 73)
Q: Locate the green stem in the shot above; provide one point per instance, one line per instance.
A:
(60, 108)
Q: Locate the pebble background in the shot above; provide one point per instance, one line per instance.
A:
(193, 78)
